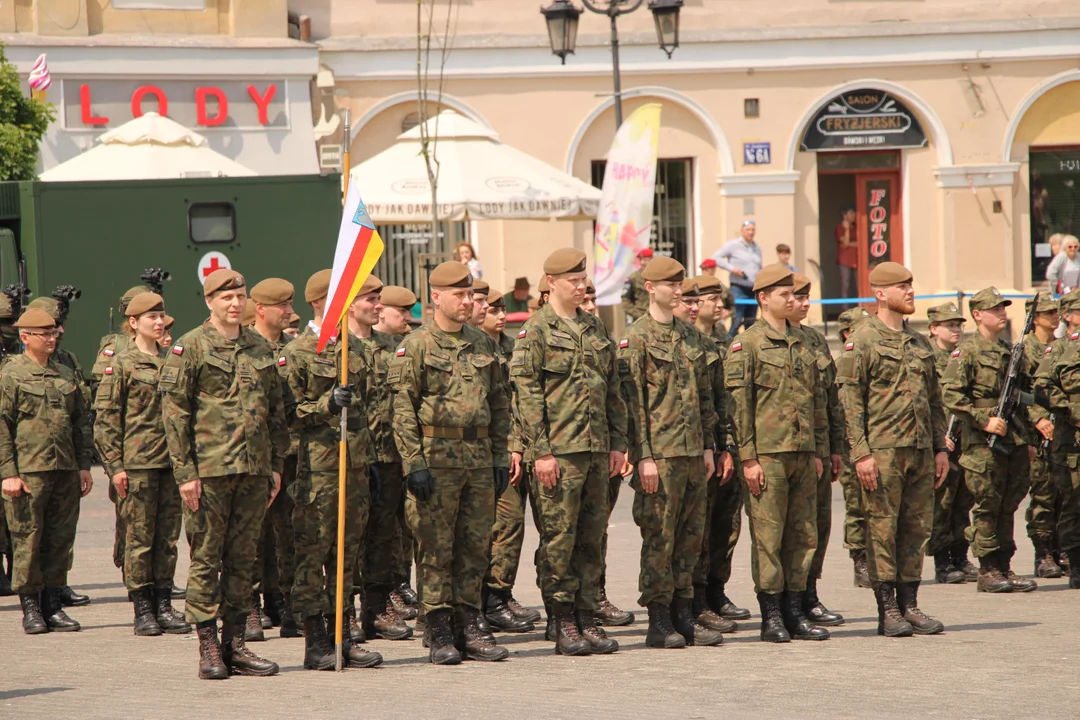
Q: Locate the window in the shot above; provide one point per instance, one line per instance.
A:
(212, 222)
(1054, 174)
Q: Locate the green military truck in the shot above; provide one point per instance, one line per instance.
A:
(101, 236)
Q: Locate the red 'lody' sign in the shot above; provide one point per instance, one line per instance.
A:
(211, 103)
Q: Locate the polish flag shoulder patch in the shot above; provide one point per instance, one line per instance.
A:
(1075, 336)
(401, 352)
(108, 371)
(956, 353)
(522, 334)
(281, 361)
(108, 352)
(624, 343)
(736, 347)
(850, 346)
(1049, 348)
(177, 350)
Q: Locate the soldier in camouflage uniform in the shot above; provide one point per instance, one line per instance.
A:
(225, 427)
(563, 369)
(896, 430)
(854, 515)
(725, 305)
(45, 450)
(1043, 504)
(779, 412)
(130, 438)
(451, 419)
(971, 388)
(635, 299)
(952, 499)
(675, 418)
(818, 346)
(9, 346)
(275, 564)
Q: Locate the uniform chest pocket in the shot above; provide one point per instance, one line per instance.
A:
(482, 367)
(144, 376)
(559, 356)
(1070, 379)
(771, 369)
(987, 373)
(922, 361)
(323, 375)
(31, 398)
(438, 373)
(889, 360)
(216, 375)
(602, 352)
(262, 372)
(62, 395)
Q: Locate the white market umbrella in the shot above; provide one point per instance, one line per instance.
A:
(147, 148)
(480, 178)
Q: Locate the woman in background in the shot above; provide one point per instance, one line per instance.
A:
(465, 255)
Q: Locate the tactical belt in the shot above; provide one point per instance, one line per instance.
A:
(985, 402)
(455, 433)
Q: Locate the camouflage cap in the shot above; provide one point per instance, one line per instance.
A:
(495, 299)
(450, 274)
(775, 275)
(944, 313)
(1047, 303)
(35, 318)
(318, 285)
(144, 302)
(889, 273)
(802, 285)
(664, 269)
(248, 316)
(272, 291)
(397, 296)
(851, 319)
(988, 298)
(47, 304)
(371, 284)
(480, 287)
(1069, 302)
(223, 279)
(564, 260)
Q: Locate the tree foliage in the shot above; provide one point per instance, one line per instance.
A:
(23, 122)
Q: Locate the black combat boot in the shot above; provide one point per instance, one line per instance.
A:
(274, 608)
(523, 613)
(551, 633)
(235, 653)
(380, 618)
(945, 572)
(408, 595)
(439, 638)
(352, 655)
(318, 649)
(179, 593)
(862, 572)
(356, 630)
(53, 610)
(1019, 584)
(693, 632)
(70, 598)
(211, 665)
(991, 579)
(960, 560)
(772, 619)
(253, 627)
(891, 622)
(145, 623)
(907, 599)
(661, 632)
(610, 615)
(815, 610)
(796, 622)
(721, 604)
(1074, 567)
(472, 642)
(484, 627)
(499, 615)
(289, 628)
(706, 616)
(568, 641)
(33, 621)
(167, 618)
(598, 640)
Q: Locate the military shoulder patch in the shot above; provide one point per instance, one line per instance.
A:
(624, 343)
(108, 352)
(177, 350)
(281, 361)
(108, 371)
(522, 334)
(736, 347)
(956, 353)
(850, 346)
(1074, 336)
(1049, 349)
(400, 352)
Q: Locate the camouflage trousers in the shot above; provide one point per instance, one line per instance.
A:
(1066, 474)
(783, 522)
(42, 526)
(223, 534)
(899, 514)
(275, 565)
(672, 523)
(723, 525)
(119, 531)
(1043, 505)
(403, 550)
(507, 538)
(998, 484)
(264, 577)
(453, 533)
(5, 541)
(952, 513)
(315, 529)
(573, 516)
(614, 486)
(152, 517)
(854, 515)
(824, 521)
(374, 562)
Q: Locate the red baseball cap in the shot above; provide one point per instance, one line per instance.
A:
(646, 253)
(707, 263)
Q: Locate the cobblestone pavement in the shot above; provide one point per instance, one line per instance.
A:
(975, 669)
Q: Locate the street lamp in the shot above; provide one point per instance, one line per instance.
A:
(562, 21)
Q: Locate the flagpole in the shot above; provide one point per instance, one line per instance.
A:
(343, 336)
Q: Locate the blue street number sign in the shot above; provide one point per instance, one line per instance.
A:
(756, 153)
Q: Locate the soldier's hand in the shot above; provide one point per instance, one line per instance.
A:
(502, 479)
(119, 481)
(941, 468)
(710, 465)
(726, 467)
(1045, 428)
(340, 397)
(515, 468)
(819, 467)
(950, 444)
(190, 492)
(996, 426)
(867, 471)
(837, 466)
(374, 483)
(755, 477)
(86, 482)
(14, 486)
(420, 484)
(627, 469)
(275, 487)
(615, 463)
(649, 476)
(547, 471)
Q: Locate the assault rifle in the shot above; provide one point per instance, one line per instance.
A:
(1011, 394)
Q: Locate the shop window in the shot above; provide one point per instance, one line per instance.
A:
(212, 222)
(1055, 203)
(848, 161)
(159, 4)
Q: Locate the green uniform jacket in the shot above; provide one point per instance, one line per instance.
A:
(378, 351)
(714, 359)
(109, 347)
(44, 423)
(449, 381)
(889, 390)
(635, 299)
(567, 386)
(670, 391)
(1058, 377)
(778, 397)
(971, 388)
(834, 411)
(223, 407)
(129, 430)
(1034, 353)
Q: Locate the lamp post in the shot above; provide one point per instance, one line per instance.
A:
(562, 21)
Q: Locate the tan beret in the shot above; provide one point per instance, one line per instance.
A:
(775, 275)
(137, 290)
(169, 321)
(397, 296)
(802, 285)
(47, 304)
(451, 274)
(944, 313)
(318, 285)
(248, 316)
(294, 320)
(564, 260)
(707, 284)
(889, 273)
(371, 284)
(223, 279)
(480, 287)
(664, 269)
(590, 287)
(273, 291)
(144, 302)
(35, 318)
(689, 287)
(542, 286)
(495, 299)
